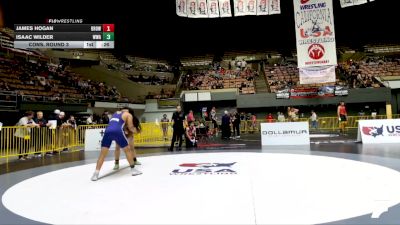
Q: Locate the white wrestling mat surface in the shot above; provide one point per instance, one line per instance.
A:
(210, 188)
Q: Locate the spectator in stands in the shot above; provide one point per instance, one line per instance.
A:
(374, 114)
(190, 135)
(293, 114)
(61, 120)
(314, 120)
(342, 116)
(54, 115)
(40, 120)
(190, 117)
(105, 119)
(164, 126)
(236, 125)
(89, 120)
(281, 117)
(24, 134)
(225, 125)
(253, 122)
(178, 119)
(72, 122)
(269, 118)
(4, 86)
(213, 115)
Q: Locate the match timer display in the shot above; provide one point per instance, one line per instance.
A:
(96, 36)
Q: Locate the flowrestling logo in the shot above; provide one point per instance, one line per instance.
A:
(381, 131)
(205, 169)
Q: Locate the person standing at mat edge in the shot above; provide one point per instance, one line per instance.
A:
(177, 118)
(342, 116)
(115, 132)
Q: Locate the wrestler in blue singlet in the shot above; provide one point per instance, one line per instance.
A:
(115, 132)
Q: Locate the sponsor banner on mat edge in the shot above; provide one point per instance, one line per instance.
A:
(295, 133)
(379, 131)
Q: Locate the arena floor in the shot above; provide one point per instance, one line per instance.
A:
(237, 182)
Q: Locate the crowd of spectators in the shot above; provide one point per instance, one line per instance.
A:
(149, 80)
(363, 74)
(50, 82)
(243, 79)
(163, 94)
(360, 74)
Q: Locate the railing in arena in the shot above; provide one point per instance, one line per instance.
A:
(19, 141)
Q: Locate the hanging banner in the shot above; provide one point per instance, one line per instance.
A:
(346, 3)
(202, 9)
(315, 33)
(274, 7)
(251, 7)
(245, 7)
(320, 92)
(360, 2)
(317, 75)
(262, 7)
(181, 8)
(239, 7)
(213, 9)
(225, 8)
(191, 6)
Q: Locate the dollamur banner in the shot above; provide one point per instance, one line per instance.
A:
(317, 75)
(315, 33)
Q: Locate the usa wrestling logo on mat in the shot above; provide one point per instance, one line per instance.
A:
(205, 169)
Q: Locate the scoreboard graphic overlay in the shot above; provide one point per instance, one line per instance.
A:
(95, 36)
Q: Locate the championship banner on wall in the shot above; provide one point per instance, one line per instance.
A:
(202, 9)
(347, 3)
(239, 7)
(256, 7)
(274, 7)
(225, 8)
(262, 7)
(251, 7)
(191, 6)
(379, 131)
(181, 8)
(317, 75)
(321, 92)
(213, 9)
(315, 33)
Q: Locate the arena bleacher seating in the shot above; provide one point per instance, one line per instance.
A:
(41, 81)
(221, 79)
